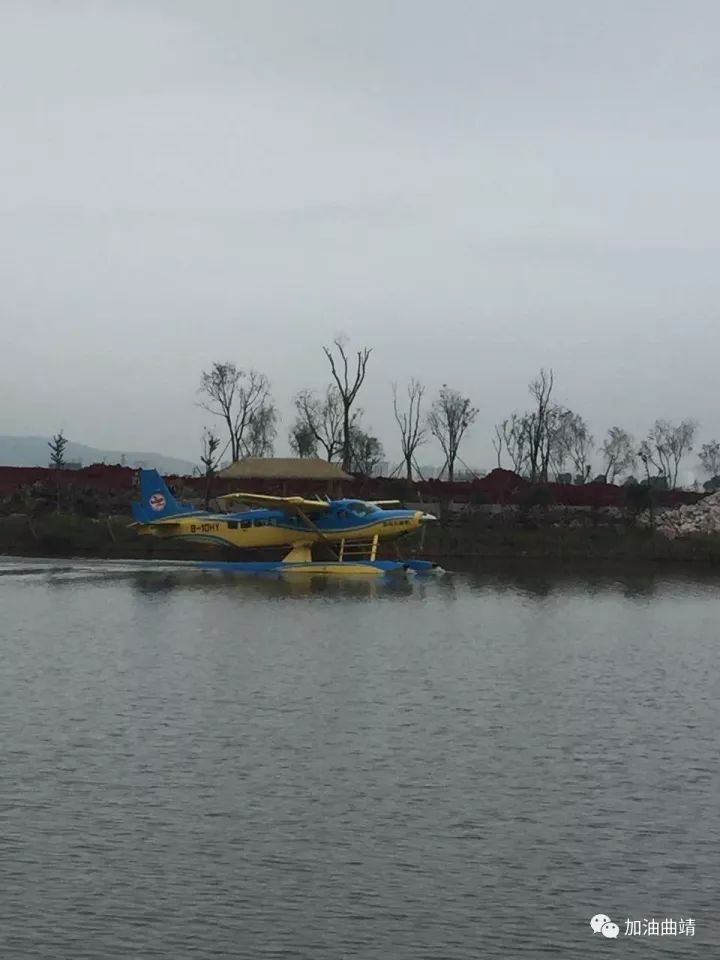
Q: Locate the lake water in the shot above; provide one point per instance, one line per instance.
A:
(464, 766)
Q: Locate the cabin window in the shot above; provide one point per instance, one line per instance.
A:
(361, 509)
(245, 524)
(232, 524)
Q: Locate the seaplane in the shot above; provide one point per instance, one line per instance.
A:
(347, 531)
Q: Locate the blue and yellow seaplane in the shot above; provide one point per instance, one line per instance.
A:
(348, 531)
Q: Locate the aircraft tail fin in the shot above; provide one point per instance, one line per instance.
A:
(156, 502)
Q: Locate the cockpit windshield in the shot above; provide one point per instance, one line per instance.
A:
(360, 509)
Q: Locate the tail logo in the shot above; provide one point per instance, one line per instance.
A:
(157, 502)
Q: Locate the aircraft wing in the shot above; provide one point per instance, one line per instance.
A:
(292, 504)
(297, 505)
(384, 503)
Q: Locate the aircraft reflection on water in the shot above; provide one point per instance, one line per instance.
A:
(271, 588)
(348, 531)
(529, 581)
(156, 579)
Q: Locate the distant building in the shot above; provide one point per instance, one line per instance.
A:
(429, 473)
(467, 474)
(282, 472)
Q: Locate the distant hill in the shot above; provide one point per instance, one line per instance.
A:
(34, 452)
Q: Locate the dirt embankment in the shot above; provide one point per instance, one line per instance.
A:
(67, 535)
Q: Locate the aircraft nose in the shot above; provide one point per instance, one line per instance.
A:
(424, 517)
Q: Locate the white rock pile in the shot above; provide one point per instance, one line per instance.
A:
(689, 519)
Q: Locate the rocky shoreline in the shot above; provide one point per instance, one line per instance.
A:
(689, 520)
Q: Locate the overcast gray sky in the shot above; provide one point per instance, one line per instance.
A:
(474, 189)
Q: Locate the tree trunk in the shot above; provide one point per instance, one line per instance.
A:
(233, 439)
(346, 440)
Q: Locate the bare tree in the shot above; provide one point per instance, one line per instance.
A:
(577, 442)
(210, 459)
(619, 453)
(665, 446)
(557, 440)
(539, 427)
(547, 436)
(321, 419)
(348, 385)
(303, 442)
(57, 446)
(259, 438)
(238, 397)
(710, 458)
(514, 433)
(534, 439)
(412, 430)
(220, 386)
(450, 416)
(367, 451)
(498, 442)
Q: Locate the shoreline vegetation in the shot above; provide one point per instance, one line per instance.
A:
(71, 535)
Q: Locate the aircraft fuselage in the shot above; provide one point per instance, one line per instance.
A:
(258, 529)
